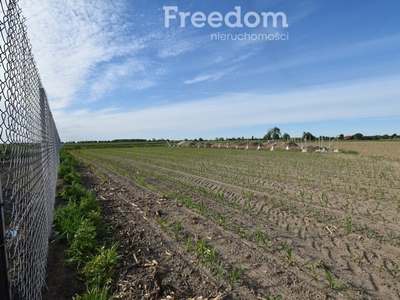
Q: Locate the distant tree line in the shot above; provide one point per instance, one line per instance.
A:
(360, 136)
(273, 134)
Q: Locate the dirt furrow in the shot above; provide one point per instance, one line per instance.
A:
(333, 210)
(263, 266)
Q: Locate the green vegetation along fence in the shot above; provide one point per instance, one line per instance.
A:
(29, 147)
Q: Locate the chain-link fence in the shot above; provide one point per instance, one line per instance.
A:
(29, 147)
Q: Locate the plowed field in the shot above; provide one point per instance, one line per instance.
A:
(206, 223)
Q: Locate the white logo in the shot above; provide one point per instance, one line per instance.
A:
(232, 19)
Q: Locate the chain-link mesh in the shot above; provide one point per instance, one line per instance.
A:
(29, 147)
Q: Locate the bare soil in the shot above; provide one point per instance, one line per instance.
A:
(61, 280)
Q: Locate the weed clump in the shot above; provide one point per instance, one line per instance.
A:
(81, 226)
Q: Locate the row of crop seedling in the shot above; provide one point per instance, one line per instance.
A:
(184, 168)
(332, 282)
(222, 220)
(324, 199)
(319, 215)
(242, 231)
(206, 255)
(81, 226)
(124, 170)
(247, 206)
(308, 165)
(354, 226)
(180, 196)
(166, 224)
(350, 225)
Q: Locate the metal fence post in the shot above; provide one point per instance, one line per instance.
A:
(44, 153)
(5, 289)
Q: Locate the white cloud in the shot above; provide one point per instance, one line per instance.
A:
(360, 99)
(172, 46)
(132, 73)
(208, 77)
(92, 47)
(70, 38)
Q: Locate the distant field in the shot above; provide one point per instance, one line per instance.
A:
(83, 145)
(389, 149)
(236, 224)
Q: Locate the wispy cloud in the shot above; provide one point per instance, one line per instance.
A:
(172, 45)
(70, 38)
(95, 42)
(74, 42)
(309, 55)
(208, 77)
(132, 73)
(323, 103)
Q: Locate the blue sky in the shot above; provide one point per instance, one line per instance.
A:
(113, 70)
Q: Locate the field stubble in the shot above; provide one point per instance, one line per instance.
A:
(234, 224)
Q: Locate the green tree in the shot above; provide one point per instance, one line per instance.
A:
(286, 136)
(358, 136)
(273, 134)
(308, 136)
